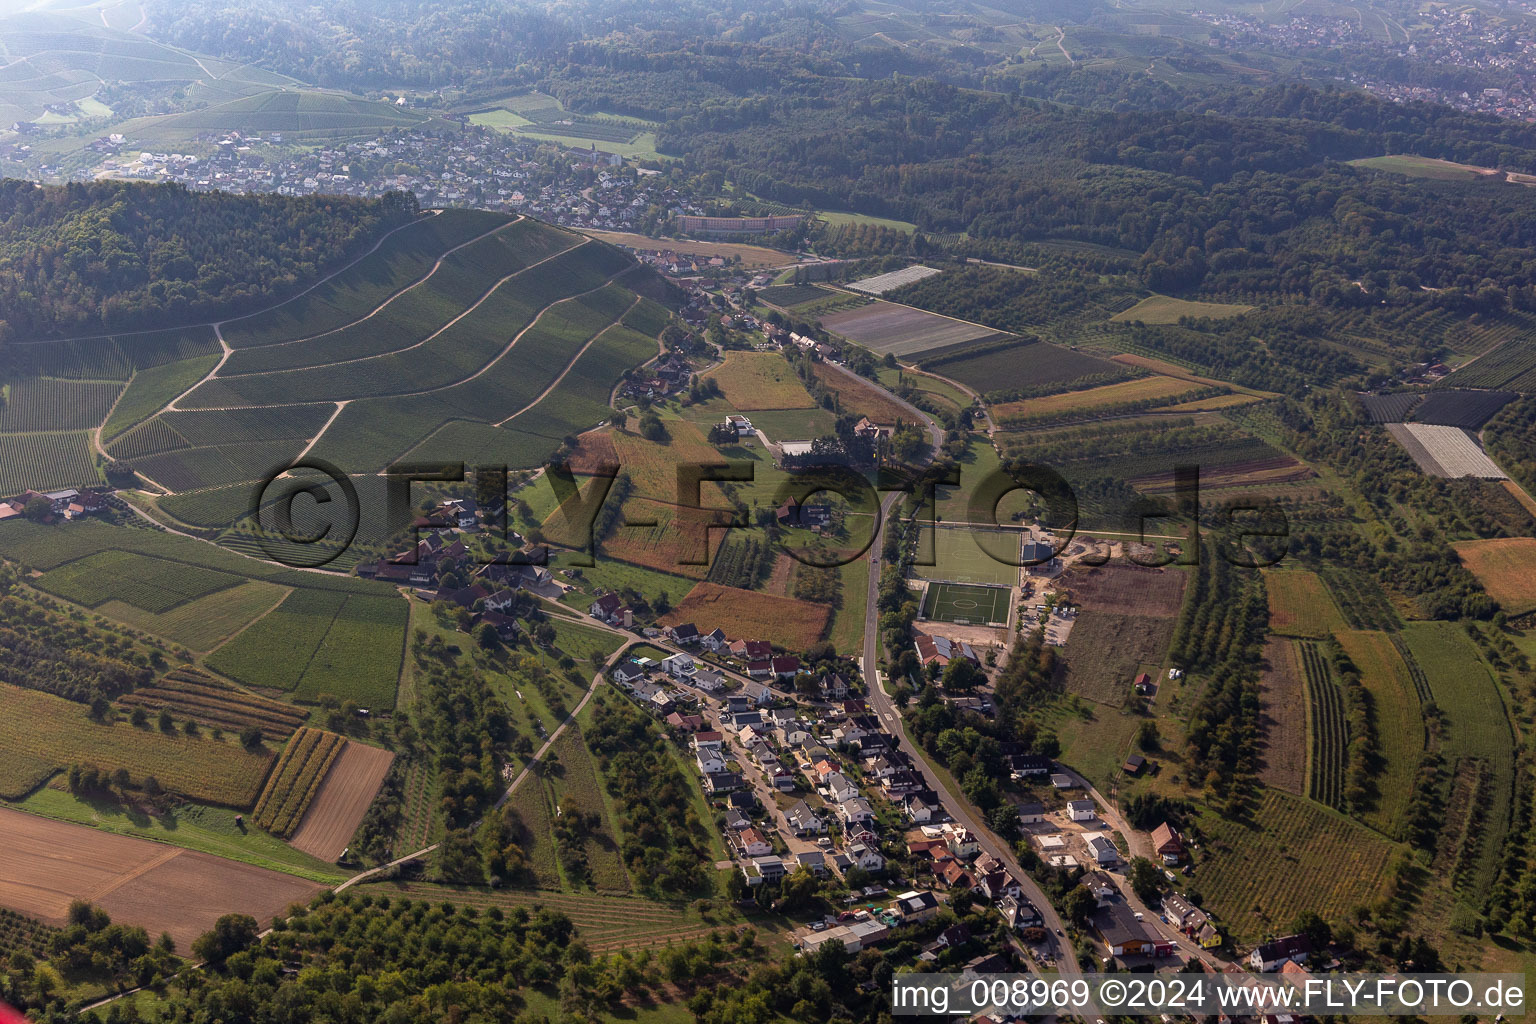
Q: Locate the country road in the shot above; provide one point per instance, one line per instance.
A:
(954, 803)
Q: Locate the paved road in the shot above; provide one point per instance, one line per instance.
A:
(954, 803)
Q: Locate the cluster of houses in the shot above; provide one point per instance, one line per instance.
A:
(67, 503)
(668, 377)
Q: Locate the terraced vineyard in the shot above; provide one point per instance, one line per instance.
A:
(475, 334)
(1327, 728)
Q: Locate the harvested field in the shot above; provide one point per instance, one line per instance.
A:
(1105, 651)
(338, 809)
(1506, 567)
(785, 622)
(46, 864)
(760, 380)
(1126, 590)
(902, 330)
(858, 396)
(1282, 719)
(1300, 605)
(1150, 390)
(1445, 451)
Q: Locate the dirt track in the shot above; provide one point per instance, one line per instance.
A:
(45, 864)
(338, 809)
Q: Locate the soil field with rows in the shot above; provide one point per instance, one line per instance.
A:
(336, 811)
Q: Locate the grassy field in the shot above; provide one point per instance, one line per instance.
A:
(576, 781)
(760, 380)
(855, 395)
(531, 802)
(1477, 736)
(1506, 567)
(971, 556)
(1151, 390)
(40, 733)
(318, 643)
(752, 257)
(1292, 855)
(1399, 726)
(1426, 167)
(1165, 309)
(846, 631)
(793, 625)
(1300, 605)
(202, 625)
(839, 218)
(950, 602)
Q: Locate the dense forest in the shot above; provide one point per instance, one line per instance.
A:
(110, 255)
(1239, 203)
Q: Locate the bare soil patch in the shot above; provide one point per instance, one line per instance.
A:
(338, 809)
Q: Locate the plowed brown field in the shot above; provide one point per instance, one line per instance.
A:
(338, 809)
(46, 864)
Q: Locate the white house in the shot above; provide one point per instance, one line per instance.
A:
(918, 809)
(866, 857)
(1101, 847)
(1082, 810)
(1031, 813)
(709, 761)
(680, 666)
(856, 812)
(753, 843)
(803, 821)
(839, 788)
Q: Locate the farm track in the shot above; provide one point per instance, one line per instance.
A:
(490, 364)
(376, 310)
(618, 322)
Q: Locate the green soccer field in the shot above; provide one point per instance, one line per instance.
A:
(959, 602)
(973, 556)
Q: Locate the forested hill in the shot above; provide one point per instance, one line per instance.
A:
(109, 255)
(1261, 207)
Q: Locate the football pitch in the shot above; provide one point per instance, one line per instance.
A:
(960, 602)
(973, 556)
